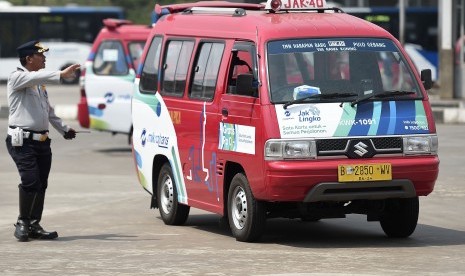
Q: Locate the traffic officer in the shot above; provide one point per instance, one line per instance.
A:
(28, 140)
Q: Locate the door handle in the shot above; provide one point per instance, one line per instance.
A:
(224, 112)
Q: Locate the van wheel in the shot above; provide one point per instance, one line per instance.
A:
(73, 80)
(400, 217)
(171, 211)
(247, 216)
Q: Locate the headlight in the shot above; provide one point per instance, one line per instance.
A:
(421, 144)
(290, 149)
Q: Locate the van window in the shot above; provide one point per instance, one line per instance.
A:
(135, 51)
(149, 75)
(175, 65)
(110, 59)
(350, 66)
(206, 70)
(241, 63)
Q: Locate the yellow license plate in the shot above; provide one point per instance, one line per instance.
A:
(365, 172)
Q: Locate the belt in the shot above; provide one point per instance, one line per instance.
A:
(34, 135)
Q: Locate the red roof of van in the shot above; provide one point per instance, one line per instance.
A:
(270, 26)
(126, 32)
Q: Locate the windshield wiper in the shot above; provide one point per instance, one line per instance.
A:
(384, 94)
(319, 96)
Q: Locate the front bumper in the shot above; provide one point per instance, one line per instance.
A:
(317, 180)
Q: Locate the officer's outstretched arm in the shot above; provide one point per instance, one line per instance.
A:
(69, 71)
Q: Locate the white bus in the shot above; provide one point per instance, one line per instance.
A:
(68, 31)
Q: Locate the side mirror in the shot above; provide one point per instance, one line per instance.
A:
(244, 85)
(427, 79)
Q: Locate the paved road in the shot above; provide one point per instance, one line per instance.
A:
(106, 228)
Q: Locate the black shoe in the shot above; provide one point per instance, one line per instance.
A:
(37, 232)
(22, 230)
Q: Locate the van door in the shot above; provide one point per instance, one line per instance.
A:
(240, 125)
(195, 115)
(109, 88)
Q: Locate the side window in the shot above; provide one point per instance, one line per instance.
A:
(110, 59)
(149, 74)
(241, 64)
(206, 69)
(135, 51)
(175, 67)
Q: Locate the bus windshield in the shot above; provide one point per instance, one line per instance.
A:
(340, 69)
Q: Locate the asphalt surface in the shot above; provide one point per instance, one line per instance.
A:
(102, 215)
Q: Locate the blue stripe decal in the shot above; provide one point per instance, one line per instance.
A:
(392, 117)
(376, 118)
(364, 111)
(384, 119)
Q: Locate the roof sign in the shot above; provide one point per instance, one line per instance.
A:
(276, 5)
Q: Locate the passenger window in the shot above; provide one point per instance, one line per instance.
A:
(206, 71)
(110, 59)
(135, 51)
(149, 75)
(241, 64)
(175, 67)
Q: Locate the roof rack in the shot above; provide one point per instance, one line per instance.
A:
(212, 10)
(175, 8)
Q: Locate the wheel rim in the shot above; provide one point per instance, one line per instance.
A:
(239, 208)
(167, 195)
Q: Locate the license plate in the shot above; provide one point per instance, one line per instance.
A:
(365, 172)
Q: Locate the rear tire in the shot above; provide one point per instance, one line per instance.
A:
(400, 217)
(171, 211)
(246, 215)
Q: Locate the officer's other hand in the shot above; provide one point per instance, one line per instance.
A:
(70, 134)
(70, 71)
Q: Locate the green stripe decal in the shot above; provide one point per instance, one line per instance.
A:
(348, 114)
(177, 174)
(420, 116)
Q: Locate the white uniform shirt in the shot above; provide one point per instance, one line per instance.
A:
(28, 103)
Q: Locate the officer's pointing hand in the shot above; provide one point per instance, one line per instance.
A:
(70, 71)
(70, 134)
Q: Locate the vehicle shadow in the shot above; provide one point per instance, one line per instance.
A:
(115, 150)
(106, 237)
(352, 232)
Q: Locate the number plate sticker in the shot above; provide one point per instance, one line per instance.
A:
(365, 172)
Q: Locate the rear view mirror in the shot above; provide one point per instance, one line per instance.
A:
(427, 79)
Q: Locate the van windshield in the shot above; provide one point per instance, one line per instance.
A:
(339, 69)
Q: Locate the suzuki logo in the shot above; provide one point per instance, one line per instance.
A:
(360, 149)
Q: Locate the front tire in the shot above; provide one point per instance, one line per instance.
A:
(171, 211)
(400, 217)
(246, 215)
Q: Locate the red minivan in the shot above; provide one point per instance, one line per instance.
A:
(107, 79)
(286, 109)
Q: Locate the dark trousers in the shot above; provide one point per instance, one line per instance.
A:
(33, 160)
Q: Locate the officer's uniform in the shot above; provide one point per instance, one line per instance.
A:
(31, 112)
